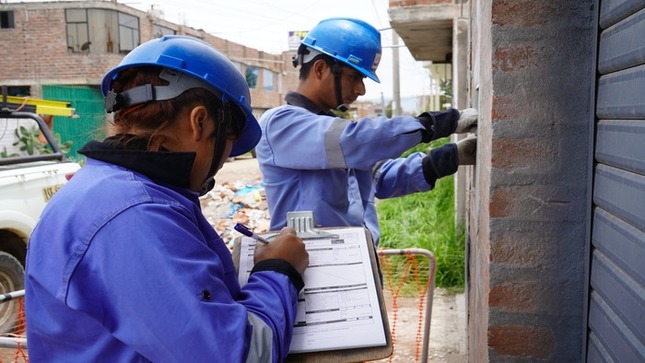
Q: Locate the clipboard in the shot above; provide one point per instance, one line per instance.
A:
(354, 354)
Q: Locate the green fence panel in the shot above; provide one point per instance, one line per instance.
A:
(90, 124)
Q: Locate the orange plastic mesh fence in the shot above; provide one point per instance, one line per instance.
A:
(12, 343)
(408, 282)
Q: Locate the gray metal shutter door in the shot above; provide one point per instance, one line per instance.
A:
(616, 316)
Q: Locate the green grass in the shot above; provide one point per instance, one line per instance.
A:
(426, 220)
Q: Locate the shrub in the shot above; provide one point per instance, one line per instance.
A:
(426, 220)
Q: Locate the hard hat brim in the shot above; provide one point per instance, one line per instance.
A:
(248, 139)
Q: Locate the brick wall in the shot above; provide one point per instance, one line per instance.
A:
(533, 69)
(35, 51)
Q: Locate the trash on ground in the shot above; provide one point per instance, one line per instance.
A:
(240, 202)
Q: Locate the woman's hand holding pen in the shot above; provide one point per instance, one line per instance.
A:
(286, 246)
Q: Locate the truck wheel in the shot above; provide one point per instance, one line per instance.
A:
(13, 245)
(12, 278)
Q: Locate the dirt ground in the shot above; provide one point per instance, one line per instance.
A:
(447, 329)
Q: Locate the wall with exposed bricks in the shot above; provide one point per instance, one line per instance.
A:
(533, 72)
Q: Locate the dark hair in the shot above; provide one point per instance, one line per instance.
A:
(305, 68)
(150, 118)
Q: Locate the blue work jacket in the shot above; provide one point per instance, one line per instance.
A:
(123, 268)
(313, 161)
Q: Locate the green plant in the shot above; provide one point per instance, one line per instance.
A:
(5, 154)
(30, 143)
(27, 139)
(426, 220)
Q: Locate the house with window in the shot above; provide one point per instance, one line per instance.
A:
(60, 51)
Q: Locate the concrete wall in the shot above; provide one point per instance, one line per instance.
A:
(533, 68)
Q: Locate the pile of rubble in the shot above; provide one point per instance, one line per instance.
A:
(238, 202)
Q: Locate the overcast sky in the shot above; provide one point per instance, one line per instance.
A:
(264, 25)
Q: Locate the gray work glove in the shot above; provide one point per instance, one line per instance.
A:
(467, 121)
(467, 150)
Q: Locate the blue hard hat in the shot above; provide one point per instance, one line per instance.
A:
(351, 41)
(198, 59)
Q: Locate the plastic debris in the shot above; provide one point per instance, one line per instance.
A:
(239, 202)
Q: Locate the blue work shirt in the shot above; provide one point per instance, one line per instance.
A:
(124, 267)
(313, 161)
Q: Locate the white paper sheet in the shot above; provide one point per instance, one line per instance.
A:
(338, 307)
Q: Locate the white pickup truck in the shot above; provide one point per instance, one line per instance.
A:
(32, 169)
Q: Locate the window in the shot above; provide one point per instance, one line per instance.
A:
(159, 31)
(101, 31)
(78, 37)
(128, 32)
(268, 79)
(252, 76)
(6, 20)
(20, 91)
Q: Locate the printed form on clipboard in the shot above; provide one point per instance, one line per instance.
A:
(339, 306)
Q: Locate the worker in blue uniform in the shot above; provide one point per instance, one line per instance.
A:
(123, 266)
(313, 160)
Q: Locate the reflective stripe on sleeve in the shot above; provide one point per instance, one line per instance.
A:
(261, 345)
(334, 153)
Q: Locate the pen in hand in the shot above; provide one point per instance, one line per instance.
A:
(247, 232)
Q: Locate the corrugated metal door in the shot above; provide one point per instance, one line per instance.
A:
(616, 315)
(88, 102)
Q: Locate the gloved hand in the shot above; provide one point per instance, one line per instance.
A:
(467, 121)
(438, 124)
(467, 150)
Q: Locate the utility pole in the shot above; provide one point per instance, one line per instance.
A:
(396, 82)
